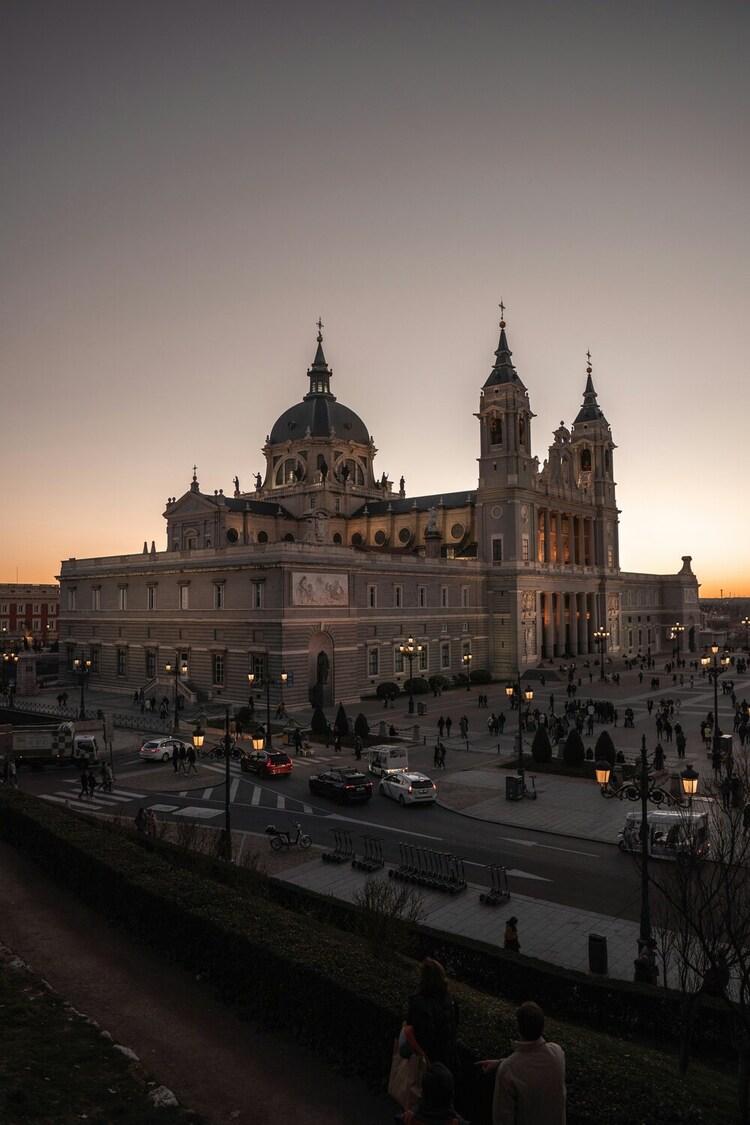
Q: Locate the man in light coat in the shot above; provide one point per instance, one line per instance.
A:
(530, 1083)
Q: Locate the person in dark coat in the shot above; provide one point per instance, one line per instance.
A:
(435, 1106)
(433, 1013)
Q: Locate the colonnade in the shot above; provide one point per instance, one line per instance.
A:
(569, 621)
(565, 538)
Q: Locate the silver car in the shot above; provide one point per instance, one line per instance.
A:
(161, 749)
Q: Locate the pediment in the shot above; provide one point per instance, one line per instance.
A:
(190, 504)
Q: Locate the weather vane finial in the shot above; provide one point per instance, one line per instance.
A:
(588, 360)
(319, 323)
(502, 314)
(195, 470)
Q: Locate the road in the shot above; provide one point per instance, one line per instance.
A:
(583, 874)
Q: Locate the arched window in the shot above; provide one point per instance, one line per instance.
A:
(522, 431)
(496, 430)
(585, 460)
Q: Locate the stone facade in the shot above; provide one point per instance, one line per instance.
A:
(323, 569)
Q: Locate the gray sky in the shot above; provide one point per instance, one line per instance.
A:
(188, 186)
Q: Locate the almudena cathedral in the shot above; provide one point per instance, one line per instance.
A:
(323, 569)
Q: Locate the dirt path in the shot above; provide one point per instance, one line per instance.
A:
(214, 1063)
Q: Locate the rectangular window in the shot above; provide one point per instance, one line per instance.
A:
(218, 597)
(465, 597)
(122, 662)
(423, 660)
(610, 557)
(257, 667)
(373, 662)
(184, 597)
(372, 597)
(71, 597)
(36, 624)
(445, 655)
(398, 661)
(96, 598)
(150, 664)
(4, 608)
(123, 597)
(444, 628)
(20, 609)
(96, 659)
(257, 595)
(421, 596)
(151, 597)
(525, 548)
(35, 609)
(50, 610)
(444, 597)
(497, 550)
(217, 668)
(398, 596)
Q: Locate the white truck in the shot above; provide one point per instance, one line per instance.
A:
(42, 746)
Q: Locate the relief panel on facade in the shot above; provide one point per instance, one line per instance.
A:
(320, 589)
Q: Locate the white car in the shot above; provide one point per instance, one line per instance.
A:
(161, 749)
(408, 788)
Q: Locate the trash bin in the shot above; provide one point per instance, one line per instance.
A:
(597, 953)
(421, 708)
(513, 788)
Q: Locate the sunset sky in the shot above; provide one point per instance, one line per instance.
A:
(187, 186)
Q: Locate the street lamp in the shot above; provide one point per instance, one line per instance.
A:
(715, 668)
(408, 649)
(677, 631)
(82, 666)
(746, 622)
(179, 668)
(528, 695)
(645, 789)
(600, 636)
(268, 682)
(466, 658)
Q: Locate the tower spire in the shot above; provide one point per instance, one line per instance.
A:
(320, 373)
(503, 370)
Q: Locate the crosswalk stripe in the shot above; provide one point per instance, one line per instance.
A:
(307, 809)
(233, 788)
(255, 800)
(64, 799)
(207, 794)
(280, 801)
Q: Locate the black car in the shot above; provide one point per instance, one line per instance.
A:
(342, 784)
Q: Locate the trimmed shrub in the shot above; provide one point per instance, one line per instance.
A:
(541, 747)
(480, 676)
(319, 722)
(461, 679)
(361, 726)
(439, 683)
(605, 748)
(387, 689)
(341, 725)
(419, 686)
(574, 752)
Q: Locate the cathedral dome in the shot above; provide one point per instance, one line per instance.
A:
(319, 413)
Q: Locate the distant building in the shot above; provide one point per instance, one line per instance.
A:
(28, 614)
(322, 569)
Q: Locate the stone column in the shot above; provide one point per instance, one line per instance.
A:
(549, 626)
(574, 623)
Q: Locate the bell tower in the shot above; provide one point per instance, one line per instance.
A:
(505, 424)
(592, 447)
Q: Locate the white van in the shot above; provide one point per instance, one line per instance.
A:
(387, 759)
(671, 833)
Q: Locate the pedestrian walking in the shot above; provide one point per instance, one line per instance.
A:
(176, 758)
(441, 726)
(152, 824)
(357, 747)
(140, 821)
(84, 779)
(726, 789)
(501, 722)
(337, 743)
(529, 1083)
(511, 935)
(12, 774)
(436, 755)
(191, 760)
(183, 758)
(441, 756)
(91, 783)
(448, 725)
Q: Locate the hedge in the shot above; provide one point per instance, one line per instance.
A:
(320, 984)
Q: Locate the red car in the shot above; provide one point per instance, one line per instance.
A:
(268, 763)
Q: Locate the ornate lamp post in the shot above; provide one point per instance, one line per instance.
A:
(466, 659)
(82, 666)
(408, 649)
(528, 695)
(600, 636)
(179, 668)
(746, 622)
(714, 668)
(644, 789)
(677, 631)
(267, 682)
